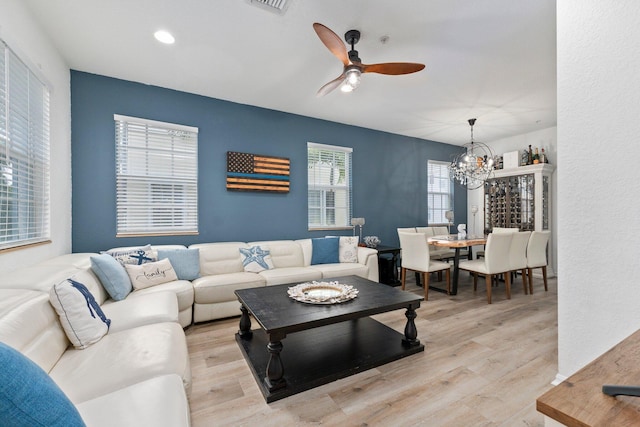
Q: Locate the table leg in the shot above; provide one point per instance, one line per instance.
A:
(394, 262)
(275, 370)
(245, 323)
(410, 331)
(456, 262)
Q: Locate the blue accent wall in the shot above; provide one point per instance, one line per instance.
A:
(389, 171)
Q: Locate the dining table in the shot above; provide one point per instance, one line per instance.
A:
(456, 242)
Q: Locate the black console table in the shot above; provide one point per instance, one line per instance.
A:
(388, 267)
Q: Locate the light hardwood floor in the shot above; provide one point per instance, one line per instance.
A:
(483, 365)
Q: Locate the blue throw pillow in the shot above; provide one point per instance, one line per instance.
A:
(112, 275)
(29, 397)
(186, 262)
(325, 250)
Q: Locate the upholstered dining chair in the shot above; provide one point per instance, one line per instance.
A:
(537, 256)
(505, 230)
(427, 231)
(496, 261)
(406, 230)
(415, 257)
(518, 255)
(480, 254)
(440, 230)
(437, 253)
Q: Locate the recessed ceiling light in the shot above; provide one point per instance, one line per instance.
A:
(164, 37)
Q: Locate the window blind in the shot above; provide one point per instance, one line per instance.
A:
(156, 177)
(24, 153)
(329, 186)
(439, 192)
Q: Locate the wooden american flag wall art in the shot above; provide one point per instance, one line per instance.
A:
(252, 172)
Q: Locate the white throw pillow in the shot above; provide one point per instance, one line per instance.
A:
(134, 256)
(80, 315)
(256, 259)
(348, 249)
(151, 273)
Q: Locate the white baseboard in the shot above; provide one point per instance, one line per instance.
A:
(559, 378)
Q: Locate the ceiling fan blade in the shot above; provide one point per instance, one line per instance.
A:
(331, 85)
(332, 42)
(393, 68)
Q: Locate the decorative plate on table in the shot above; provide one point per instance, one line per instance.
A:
(322, 292)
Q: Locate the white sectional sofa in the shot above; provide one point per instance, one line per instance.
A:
(136, 374)
(43, 275)
(222, 272)
(139, 372)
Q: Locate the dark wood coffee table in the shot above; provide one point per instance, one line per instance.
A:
(324, 342)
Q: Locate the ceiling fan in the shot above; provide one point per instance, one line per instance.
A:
(353, 66)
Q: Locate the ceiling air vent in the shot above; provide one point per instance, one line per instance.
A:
(275, 6)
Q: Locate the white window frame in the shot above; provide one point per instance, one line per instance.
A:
(329, 173)
(156, 178)
(439, 192)
(24, 154)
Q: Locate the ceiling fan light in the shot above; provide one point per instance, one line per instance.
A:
(351, 80)
(353, 77)
(346, 87)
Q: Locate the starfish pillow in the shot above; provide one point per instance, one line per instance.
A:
(256, 259)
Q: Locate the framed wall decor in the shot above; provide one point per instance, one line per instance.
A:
(253, 172)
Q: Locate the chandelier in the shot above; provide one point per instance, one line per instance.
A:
(474, 166)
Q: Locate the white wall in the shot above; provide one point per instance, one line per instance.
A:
(599, 181)
(24, 37)
(544, 138)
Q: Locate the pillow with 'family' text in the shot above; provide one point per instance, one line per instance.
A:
(80, 314)
(256, 259)
(151, 273)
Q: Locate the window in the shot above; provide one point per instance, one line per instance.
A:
(440, 192)
(329, 186)
(156, 177)
(24, 154)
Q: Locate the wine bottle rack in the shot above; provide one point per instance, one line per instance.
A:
(519, 198)
(510, 203)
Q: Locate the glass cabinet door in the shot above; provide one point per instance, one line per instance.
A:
(545, 202)
(510, 203)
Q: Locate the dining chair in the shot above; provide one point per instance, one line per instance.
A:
(496, 261)
(427, 231)
(437, 253)
(537, 256)
(406, 230)
(505, 230)
(439, 230)
(499, 230)
(415, 257)
(518, 255)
